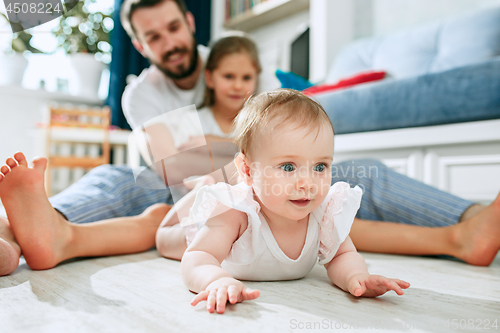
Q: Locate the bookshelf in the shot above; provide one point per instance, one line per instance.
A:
(247, 15)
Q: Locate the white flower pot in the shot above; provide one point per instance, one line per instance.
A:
(12, 68)
(87, 74)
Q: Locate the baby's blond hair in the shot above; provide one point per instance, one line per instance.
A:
(284, 105)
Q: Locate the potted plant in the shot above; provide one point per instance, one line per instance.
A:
(12, 60)
(83, 33)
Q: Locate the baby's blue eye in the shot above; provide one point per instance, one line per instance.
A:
(320, 168)
(287, 167)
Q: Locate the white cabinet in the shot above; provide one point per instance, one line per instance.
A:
(463, 159)
(471, 171)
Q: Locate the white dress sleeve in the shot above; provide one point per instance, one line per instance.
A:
(239, 197)
(341, 206)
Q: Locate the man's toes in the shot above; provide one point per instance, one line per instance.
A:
(497, 200)
(11, 162)
(4, 169)
(1, 177)
(21, 159)
(40, 164)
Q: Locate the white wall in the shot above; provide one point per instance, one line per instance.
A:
(394, 15)
(21, 115)
(333, 24)
(337, 22)
(332, 27)
(273, 40)
(217, 28)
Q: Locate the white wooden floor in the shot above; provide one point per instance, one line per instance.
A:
(144, 293)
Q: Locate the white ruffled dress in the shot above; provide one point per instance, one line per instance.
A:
(256, 255)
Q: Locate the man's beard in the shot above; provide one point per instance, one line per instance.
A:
(181, 72)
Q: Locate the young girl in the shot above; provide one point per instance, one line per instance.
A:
(283, 216)
(231, 76)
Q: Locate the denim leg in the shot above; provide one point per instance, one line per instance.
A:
(393, 197)
(110, 191)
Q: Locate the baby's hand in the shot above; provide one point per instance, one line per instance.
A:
(368, 285)
(225, 289)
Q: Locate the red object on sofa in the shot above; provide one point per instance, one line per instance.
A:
(346, 83)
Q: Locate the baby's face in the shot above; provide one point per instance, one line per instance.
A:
(291, 170)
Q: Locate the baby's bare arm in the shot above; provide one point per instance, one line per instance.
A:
(348, 271)
(346, 263)
(201, 263)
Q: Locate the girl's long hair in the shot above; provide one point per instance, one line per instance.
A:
(225, 46)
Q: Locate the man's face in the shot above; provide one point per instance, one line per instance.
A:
(166, 38)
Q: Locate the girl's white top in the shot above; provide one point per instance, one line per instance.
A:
(188, 122)
(256, 255)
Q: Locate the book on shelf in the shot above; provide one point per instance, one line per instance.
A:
(235, 8)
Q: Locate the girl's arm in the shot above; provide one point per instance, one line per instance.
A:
(159, 144)
(201, 264)
(201, 140)
(348, 271)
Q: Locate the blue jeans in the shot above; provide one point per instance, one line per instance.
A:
(393, 197)
(111, 191)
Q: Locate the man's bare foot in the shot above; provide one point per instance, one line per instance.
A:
(478, 237)
(9, 249)
(41, 232)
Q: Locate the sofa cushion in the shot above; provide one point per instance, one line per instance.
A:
(430, 48)
(462, 94)
(348, 82)
(290, 80)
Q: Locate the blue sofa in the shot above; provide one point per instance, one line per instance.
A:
(440, 73)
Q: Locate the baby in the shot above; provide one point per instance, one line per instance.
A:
(283, 216)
